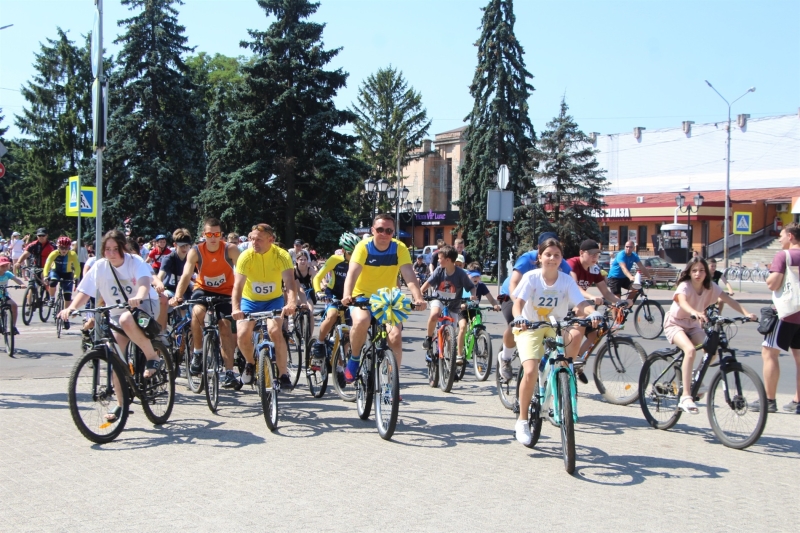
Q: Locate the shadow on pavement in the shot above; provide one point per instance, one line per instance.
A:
(21, 353)
(185, 431)
(765, 445)
(34, 401)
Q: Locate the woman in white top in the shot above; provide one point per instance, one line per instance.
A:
(542, 293)
(17, 247)
(135, 277)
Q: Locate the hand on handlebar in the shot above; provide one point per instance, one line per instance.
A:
(237, 314)
(175, 301)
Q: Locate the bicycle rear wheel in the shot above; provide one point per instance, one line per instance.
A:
(482, 355)
(44, 310)
(91, 396)
(365, 383)
(617, 367)
(534, 420)
(733, 422)
(211, 360)
(158, 392)
(507, 389)
(387, 399)
(649, 319)
(660, 390)
(266, 389)
(567, 423)
(447, 363)
(28, 305)
(317, 378)
(346, 391)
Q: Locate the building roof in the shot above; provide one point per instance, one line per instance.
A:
(782, 194)
(462, 128)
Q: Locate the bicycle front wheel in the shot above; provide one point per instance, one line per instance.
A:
(346, 391)
(734, 423)
(447, 361)
(482, 355)
(660, 390)
(211, 371)
(28, 305)
(616, 370)
(432, 365)
(295, 351)
(8, 331)
(92, 397)
(567, 423)
(267, 390)
(194, 382)
(317, 377)
(158, 391)
(507, 388)
(57, 309)
(44, 310)
(387, 399)
(649, 319)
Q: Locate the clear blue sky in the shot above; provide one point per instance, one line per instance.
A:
(620, 63)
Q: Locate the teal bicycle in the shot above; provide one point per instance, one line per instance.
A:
(477, 344)
(557, 395)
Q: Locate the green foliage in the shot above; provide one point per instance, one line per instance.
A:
(275, 152)
(154, 155)
(499, 130)
(564, 162)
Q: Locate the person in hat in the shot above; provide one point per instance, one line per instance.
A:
(5, 276)
(158, 252)
(172, 267)
(297, 250)
(39, 250)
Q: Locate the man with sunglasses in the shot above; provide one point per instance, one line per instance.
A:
(261, 270)
(619, 275)
(61, 267)
(214, 260)
(39, 250)
(374, 265)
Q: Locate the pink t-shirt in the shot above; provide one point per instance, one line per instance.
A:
(779, 265)
(696, 301)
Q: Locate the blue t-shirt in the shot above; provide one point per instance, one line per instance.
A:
(615, 271)
(5, 278)
(527, 262)
(481, 291)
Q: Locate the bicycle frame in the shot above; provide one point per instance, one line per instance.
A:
(548, 388)
(444, 319)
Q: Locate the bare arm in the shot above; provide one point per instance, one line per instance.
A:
(291, 293)
(516, 276)
(774, 280)
(736, 305)
(236, 296)
(644, 270)
(607, 294)
(186, 277)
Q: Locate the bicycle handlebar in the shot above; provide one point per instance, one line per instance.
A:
(100, 309)
(261, 315)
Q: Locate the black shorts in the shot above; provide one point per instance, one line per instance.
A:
(222, 308)
(785, 335)
(615, 285)
(508, 311)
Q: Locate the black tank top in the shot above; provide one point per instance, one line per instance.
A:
(305, 281)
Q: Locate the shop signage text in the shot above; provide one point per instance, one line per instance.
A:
(612, 212)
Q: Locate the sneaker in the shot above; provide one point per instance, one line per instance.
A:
(66, 324)
(772, 406)
(506, 370)
(792, 407)
(229, 380)
(427, 342)
(351, 371)
(16, 331)
(582, 377)
(340, 377)
(318, 353)
(286, 382)
(196, 367)
(459, 360)
(247, 375)
(523, 432)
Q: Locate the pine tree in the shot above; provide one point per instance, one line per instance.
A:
(281, 159)
(564, 161)
(155, 161)
(57, 122)
(499, 130)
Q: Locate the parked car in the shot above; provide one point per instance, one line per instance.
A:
(604, 262)
(663, 272)
(428, 251)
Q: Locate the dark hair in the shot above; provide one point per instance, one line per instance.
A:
(181, 235)
(547, 244)
(686, 274)
(212, 222)
(116, 236)
(793, 230)
(448, 252)
(233, 237)
(712, 260)
(474, 267)
(384, 216)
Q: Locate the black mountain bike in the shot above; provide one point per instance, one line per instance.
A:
(35, 297)
(648, 317)
(213, 365)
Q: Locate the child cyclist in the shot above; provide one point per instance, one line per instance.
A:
(683, 323)
(5, 276)
(540, 294)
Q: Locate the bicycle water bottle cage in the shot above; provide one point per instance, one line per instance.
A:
(667, 351)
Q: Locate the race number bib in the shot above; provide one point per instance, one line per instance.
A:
(545, 302)
(217, 281)
(262, 289)
(127, 286)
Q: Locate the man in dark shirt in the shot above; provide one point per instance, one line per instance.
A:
(39, 249)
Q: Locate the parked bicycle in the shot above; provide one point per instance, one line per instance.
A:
(97, 402)
(35, 297)
(648, 317)
(6, 319)
(731, 396)
(441, 356)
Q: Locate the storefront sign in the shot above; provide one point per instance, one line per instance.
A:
(613, 237)
(437, 218)
(612, 212)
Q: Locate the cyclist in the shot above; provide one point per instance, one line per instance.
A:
(525, 263)
(257, 288)
(619, 275)
(298, 250)
(159, 252)
(683, 323)
(38, 250)
(172, 266)
(421, 269)
(542, 293)
(5, 276)
(337, 265)
(720, 279)
(481, 290)
(62, 267)
(304, 274)
(214, 260)
(374, 265)
(449, 281)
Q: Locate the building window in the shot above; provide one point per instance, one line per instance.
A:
(604, 235)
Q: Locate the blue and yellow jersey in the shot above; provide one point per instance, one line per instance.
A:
(380, 268)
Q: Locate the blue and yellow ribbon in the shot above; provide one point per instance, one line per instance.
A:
(389, 306)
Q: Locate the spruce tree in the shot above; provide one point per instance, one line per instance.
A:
(499, 130)
(154, 157)
(281, 159)
(564, 163)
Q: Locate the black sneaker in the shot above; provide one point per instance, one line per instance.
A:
(772, 406)
(196, 368)
(229, 380)
(15, 330)
(66, 324)
(286, 382)
(318, 353)
(582, 377)
(247, 375)
(427, 342)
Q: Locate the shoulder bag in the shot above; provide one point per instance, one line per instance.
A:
(787, 299)
(149, 326)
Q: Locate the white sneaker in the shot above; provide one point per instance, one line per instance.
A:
(523, 432)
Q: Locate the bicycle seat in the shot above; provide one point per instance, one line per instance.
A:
(667, 351)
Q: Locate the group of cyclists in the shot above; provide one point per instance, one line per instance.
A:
(257, 275)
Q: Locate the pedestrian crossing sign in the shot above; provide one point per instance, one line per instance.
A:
(742, 223)
(87, 201)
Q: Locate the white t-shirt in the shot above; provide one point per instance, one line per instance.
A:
(542, 300)
(101, 278)
(17, 248)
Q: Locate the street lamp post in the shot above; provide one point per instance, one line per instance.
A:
(412, 209)
(680, 200)
(374, 188)
(728, 173)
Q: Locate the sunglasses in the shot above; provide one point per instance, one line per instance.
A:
(387, 231)
(264, 227)
(210, 234)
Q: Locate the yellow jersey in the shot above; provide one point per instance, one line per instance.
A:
(379, 268)
(264, 273)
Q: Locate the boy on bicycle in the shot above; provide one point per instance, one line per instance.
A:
(5, 276)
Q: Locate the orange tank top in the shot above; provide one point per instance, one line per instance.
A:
(214, 269)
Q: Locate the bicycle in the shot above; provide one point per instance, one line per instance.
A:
(266, 378)
(180, 344)
(648, 318)
(57, 307)
(378, 378)
(507, 388)
(441, 356)
(302, 336)
(6, 319)
(477, 344)
(730, 396)
(35, 297)
(337, 344)
(92, 391)
(559, 387)
(213, 364)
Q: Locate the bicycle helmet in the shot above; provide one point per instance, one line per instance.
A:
(161, 236)
(64, 242)
(348, 241)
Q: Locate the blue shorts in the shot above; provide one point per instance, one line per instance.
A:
(347, 319)
(249, 306)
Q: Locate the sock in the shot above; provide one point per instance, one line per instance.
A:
(507, 354)
(197, 352)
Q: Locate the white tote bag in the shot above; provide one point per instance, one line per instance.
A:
(787, 299)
